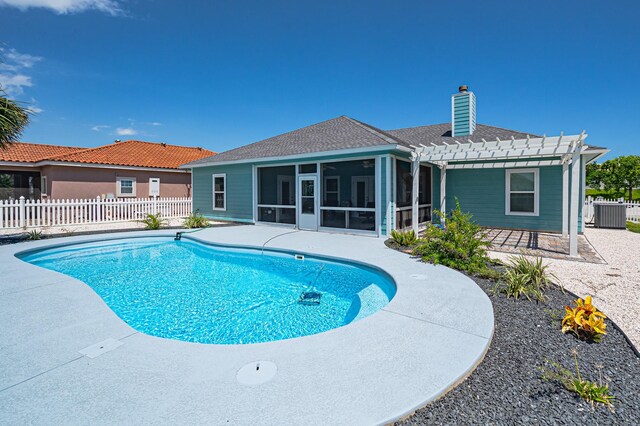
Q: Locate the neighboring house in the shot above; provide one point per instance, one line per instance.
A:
(122, 169)
(345, 175)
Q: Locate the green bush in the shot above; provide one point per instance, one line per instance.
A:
(153, 221)
(526, 277)
(195, 220)
(460, 245)
(633, 227)
(404, 238)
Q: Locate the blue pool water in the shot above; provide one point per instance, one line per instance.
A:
(198, 293)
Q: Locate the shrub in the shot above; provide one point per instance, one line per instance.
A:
(195, 220)
(460, 244)
(34, 235)
(585, 321)
(633, 227)
(526, 277)
(404, 238)
(153, 221)
(592, 392)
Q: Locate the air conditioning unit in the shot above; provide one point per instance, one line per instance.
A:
(608, 215)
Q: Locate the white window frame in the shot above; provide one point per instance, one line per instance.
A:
(119, 180)
(214, 192)
(536, 192)
(43, 185)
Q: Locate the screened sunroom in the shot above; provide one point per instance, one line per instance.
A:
(319, 195)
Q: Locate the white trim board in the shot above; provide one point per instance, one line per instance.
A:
(536, 192)
(299, 158)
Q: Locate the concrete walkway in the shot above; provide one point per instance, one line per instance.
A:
(614, 285)
(431, 335)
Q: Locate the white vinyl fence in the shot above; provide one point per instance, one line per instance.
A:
(633, 208)
(36, 213)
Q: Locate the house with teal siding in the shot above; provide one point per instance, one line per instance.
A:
(343, 175)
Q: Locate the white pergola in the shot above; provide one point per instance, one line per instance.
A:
(513, 153)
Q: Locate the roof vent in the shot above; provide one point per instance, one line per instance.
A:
(117, 141)
(463, 112)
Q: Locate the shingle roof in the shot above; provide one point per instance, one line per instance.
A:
(335, 134)
(440, 133)
(137, 154)
(347, 133)
(23, 152)
(128, 153)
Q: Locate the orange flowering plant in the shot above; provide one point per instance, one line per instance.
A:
(584, 320)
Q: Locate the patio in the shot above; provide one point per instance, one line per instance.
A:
(67, 358)
(543, 244)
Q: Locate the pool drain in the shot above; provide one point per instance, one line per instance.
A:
(256, 373)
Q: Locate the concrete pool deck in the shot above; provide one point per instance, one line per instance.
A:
(429, 337)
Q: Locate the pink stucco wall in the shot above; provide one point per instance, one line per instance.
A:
(88, 182)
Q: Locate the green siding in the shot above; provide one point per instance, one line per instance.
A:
(463, 113)
(482, 193)
(239, 192)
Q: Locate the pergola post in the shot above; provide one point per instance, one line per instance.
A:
(443, 192)
(575, 198)
(415, 193)
(565, 199)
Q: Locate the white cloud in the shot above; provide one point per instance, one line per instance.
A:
(110, 7)
(126, 131)
(14, 84)
(12, 66)
(34, 109)
(100, 127)
(23, 60)
(155, 123)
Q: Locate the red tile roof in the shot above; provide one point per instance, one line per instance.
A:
(127, 153)
(33, 152)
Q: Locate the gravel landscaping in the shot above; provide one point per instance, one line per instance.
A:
(614, 285)
(507, 388)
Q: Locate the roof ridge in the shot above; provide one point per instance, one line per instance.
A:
(153, 143)
(96, 148)
(377, 132)
(47, 144)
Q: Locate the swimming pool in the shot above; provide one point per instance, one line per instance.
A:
(194, 292)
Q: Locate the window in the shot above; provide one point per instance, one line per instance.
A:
(308, 168)
(523, 192)
(126, 186)
(404, 194)
(43, 185)
(277, 194)
(348, 195)
(220, 191)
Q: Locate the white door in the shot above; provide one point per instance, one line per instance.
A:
(308, 203)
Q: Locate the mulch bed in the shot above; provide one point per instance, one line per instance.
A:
(507, 387)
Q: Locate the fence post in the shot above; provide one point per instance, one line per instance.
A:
(155, 205)
(22, 212)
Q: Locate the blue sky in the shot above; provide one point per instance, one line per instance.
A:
(223, 74)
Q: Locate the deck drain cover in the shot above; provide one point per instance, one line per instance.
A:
(419, 276)
(256, 373)
(100, 348)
